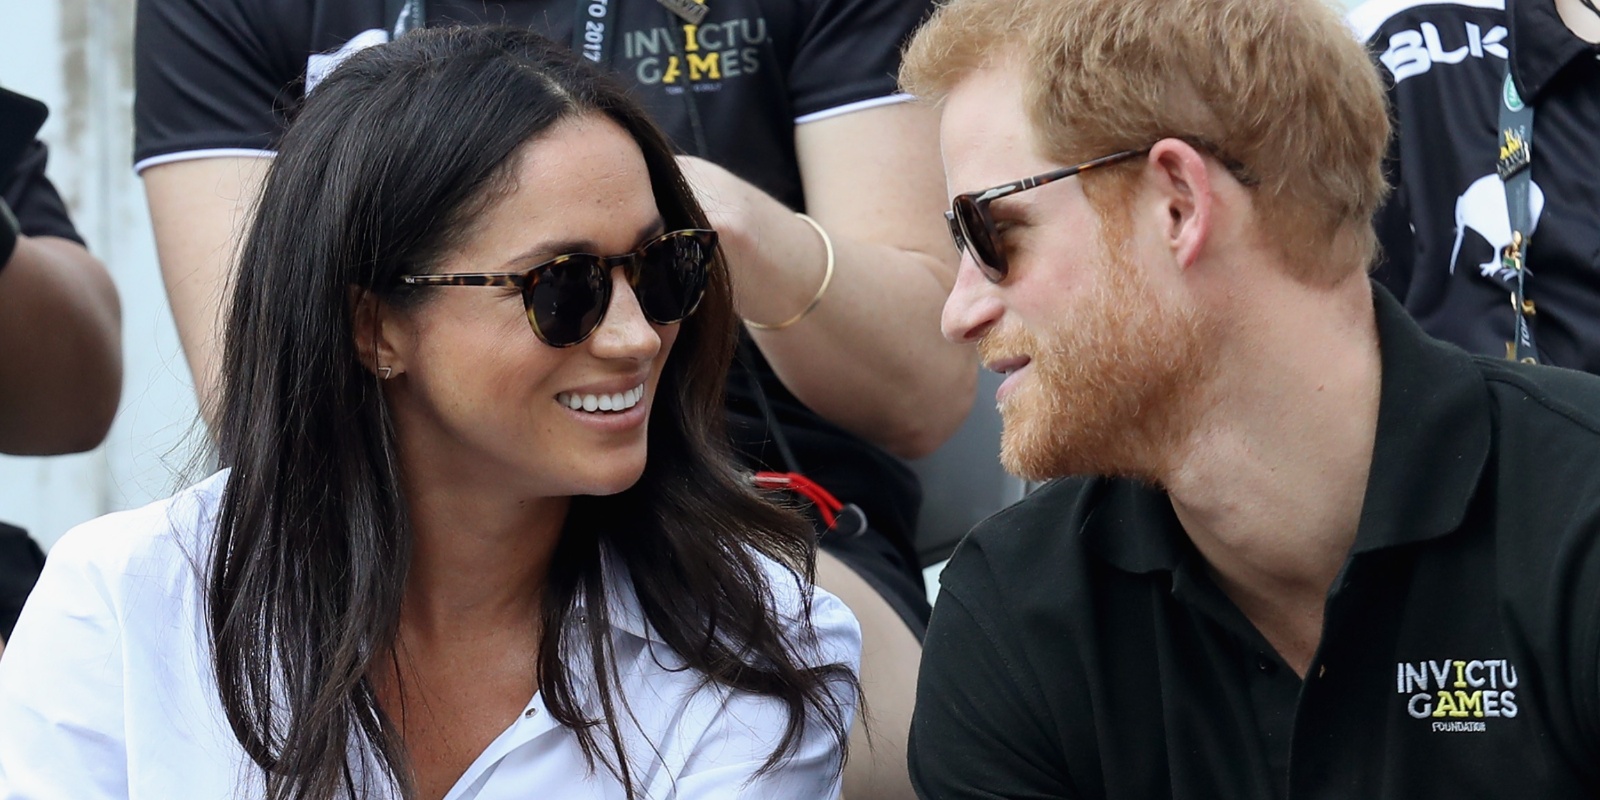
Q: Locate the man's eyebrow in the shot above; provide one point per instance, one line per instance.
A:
(1014, 206)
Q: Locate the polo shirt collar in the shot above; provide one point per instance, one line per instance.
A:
(1432, 444)
(1433, 435)
(1541, 45)
(1134, 528)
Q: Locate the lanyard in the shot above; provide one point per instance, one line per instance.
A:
(1514, 162)
(591, 29)
(591, 26)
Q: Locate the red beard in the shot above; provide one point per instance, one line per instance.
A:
(1112, 390)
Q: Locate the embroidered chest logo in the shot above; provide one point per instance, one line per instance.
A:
(1458, 696)
(699, 56)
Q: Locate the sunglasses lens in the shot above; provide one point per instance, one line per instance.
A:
(672, 275)
(566, 299)
(975, 228)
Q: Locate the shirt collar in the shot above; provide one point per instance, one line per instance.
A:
(1133, 527)
(1431, 445)
(1433, 435)
(1541, 45)
(623, 611)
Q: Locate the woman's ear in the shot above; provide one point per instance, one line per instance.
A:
(372, 326)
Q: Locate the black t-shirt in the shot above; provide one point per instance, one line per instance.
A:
(39, 212)
(1080, 649)
(221, 76)
(33, 198)
(21, 560)
(1443, 227)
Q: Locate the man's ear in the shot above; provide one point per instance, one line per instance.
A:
(1184, 185)
(372, 325)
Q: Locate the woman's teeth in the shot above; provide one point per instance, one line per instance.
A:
(622, 401)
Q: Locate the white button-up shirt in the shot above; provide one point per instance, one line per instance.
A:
(106, 689)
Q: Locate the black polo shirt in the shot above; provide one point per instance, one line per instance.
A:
(1079, 648)
(1440, 231)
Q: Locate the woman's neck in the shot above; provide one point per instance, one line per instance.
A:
(479, 559)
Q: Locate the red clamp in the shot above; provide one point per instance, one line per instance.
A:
(827, 505)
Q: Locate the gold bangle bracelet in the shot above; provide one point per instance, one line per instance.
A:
(827, 278)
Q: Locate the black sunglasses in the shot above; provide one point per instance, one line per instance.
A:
(974, 230)
(566, 297)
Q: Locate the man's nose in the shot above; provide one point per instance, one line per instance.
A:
(973, 306)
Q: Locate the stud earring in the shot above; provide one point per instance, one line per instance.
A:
(386, 372)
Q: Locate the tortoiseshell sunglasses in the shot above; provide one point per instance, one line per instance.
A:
(974, 230)
(566, 297)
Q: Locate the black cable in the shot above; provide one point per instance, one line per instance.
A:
(691, 106)
(746, 360)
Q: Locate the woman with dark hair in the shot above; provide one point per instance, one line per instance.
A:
(442, 501)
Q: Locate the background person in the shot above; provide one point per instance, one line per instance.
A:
(780, 107)
(421, 529)
(1321, 554)
(59, 393)
(1445, 229)
(61, 374)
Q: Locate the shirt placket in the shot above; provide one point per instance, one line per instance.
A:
(1352, 654)
(1272, 688)
(532, 723)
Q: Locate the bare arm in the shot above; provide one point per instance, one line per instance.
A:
(61, 363)
(869, 357)
(200, 210)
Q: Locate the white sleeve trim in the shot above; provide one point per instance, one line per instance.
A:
(1368, 17)
(191, 155)
(850, 108)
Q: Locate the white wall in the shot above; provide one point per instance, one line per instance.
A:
(76, 56)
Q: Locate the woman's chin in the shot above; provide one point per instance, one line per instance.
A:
(614, 483)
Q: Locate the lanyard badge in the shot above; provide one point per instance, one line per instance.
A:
(690, 11)
(1515, 156)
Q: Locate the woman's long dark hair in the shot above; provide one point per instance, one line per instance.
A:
(382, 169)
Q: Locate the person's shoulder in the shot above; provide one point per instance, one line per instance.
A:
(1040, 534)
(265, 8)
(152, 546)
(1564, 401)
(1546, 435)
(1048, 516)
(1373, 17)
(795, 600)
(882, 9)
(206, 13)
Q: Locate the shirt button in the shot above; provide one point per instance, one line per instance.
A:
(1265, 664)
(530, 713)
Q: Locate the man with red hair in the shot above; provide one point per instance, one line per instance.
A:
(1313, 552)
